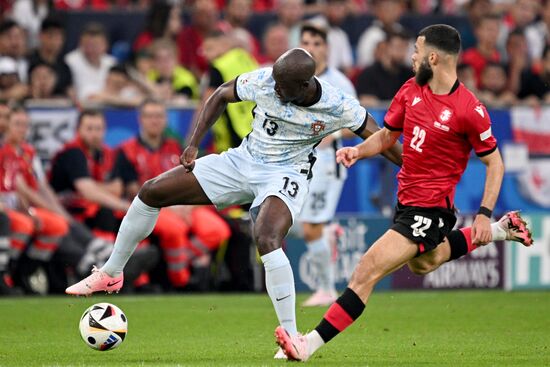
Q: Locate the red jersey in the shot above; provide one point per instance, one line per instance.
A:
(16, 161)
(149, 163)
(439, 131)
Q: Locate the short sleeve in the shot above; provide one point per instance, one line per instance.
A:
(353, 115)
(247, 84)
(69, 167)
(396, 112)
(477, 126)
(123, 169)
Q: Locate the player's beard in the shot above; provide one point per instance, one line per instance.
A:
(424, 73)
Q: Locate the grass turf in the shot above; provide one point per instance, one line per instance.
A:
(476, 328)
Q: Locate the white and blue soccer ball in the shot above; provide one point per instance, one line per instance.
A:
(103, 326)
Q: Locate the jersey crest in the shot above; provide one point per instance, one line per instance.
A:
(317, 127)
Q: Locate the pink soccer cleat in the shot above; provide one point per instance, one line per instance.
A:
(321, 298)
(96, 282)
(295, 347)
(516, 228)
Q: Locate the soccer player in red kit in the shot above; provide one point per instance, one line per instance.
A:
(441, 122)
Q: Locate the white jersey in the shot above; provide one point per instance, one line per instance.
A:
(285, 134)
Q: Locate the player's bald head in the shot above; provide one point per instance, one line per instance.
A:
(295, 65)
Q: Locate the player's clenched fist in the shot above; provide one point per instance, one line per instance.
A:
(347, 156)
(187, 159)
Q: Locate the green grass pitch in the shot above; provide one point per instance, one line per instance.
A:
(460, 328)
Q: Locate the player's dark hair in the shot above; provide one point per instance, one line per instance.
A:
(88, 112)
(443, 37)
(546, 50)
(315, 30)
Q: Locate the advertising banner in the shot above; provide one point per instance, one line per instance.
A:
(529, 267)
(358, 234)
(50, 129)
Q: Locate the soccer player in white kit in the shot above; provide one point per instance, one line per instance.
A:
(270, 169)
(328, 178)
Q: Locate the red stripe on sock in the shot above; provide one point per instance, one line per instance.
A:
(467, 232)
(338, 317)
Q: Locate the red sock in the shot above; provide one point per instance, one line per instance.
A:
(467, 232)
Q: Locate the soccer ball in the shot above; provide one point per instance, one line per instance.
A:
(103, 326)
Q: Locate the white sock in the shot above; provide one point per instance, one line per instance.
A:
(499, 233)
(314, 341)
(321, 256)
(137, 224)
(279, 282)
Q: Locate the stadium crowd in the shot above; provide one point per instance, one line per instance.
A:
(57, 222)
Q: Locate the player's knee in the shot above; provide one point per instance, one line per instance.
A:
(267, 241)
(421, 267)
(150, 193)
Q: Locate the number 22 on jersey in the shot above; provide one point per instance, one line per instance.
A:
(418, 139)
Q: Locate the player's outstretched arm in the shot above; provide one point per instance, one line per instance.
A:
(481, 228)
(209, 114)
(385, 144)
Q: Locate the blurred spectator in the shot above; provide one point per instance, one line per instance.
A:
(184, 233)
(517, 58)
(227, 61)
(4, 116)
(535, 84)
(466, 75)
(98, 4)
(173, 82)
(52, 38)
(119, 90)
(486, 51)
(538, 35)
(13, 43)
(382, 80)
(493, 89)
(27, 206)
(11, 88)
(29, 14)
(387, 14)
(204, 20)
(163, 21)
(79, 176)
(290, 14)
(90, 63)
(274, 44)
(521, 14)
(42, 81)
(237, 15)
(475, 10)
(340, 53)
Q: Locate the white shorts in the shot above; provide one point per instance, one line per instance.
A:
(234, 178)
(325, 189)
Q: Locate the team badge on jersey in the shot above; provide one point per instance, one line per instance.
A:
(445, 115)
(317, 127)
